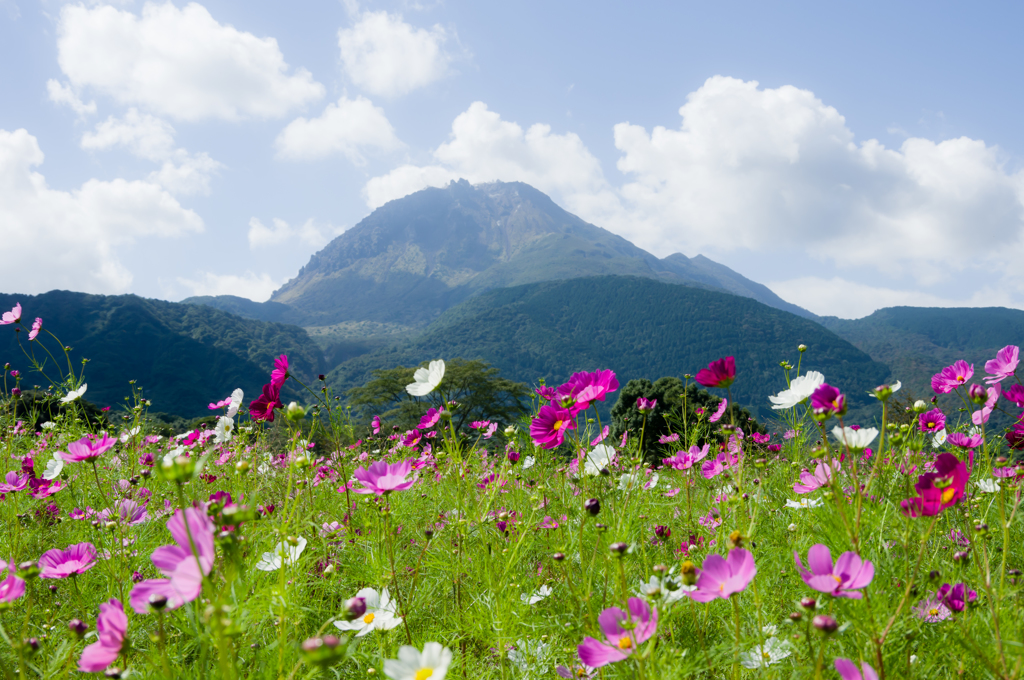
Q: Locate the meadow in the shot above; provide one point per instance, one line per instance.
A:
(288, 541)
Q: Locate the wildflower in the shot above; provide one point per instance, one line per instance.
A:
(37, 326)
(77, 559)
(850, 572)
(581, 672)
(111, 626)
(375, 423)
(684, 460)
(964, 441)
(772, 651)
(1004, 365)
(938, 490)
(74, 394)
(717, 415)
(720, 373)
(721, 578)
(548, 523)
(800, 389)
(956, 597)
(621, 642)
(127, 511)
(827, 401)
(280, 373)
(952, 377)
(537, 595)
(12, 587)
(1015, 393)
(848, 670)
(13, 316)
(804, 503)
(284, 554)
(225, 430)
(549, 427)
(235, 402)
(599, 458)
(183, 568)
(380, 614)
(262, 408)
(86, 449)
(588, 387)
(992, 396)
(883, 392)
(668, 438)
(382, 478)
(821, 477)
(14, 482)
(632, 480)
(988, 486)
(412, 665)
(646, 405)
(932, 609)
(932, 421)
(761, 438)
(428, 420)
(856, 439)
(427, 379)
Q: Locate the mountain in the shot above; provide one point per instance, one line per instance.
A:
(415, 257)
(181, 356)
(637, 326)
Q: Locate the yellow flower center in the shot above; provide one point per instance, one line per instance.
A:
(838, 580)
(933, 611)
(948, 494)
(625, 643)
(368, 619)
(558, 425)
(931, 424)
(424, 673)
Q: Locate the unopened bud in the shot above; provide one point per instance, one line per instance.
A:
(242, 466)
(354, 608)
(558, 557)
(78, 628)
(593, 506)
(808, 603)
(826, 624)
(158, 602)
(619, 548)
(801, 348)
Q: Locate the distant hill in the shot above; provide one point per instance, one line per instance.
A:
(639, 327)
(182, 356)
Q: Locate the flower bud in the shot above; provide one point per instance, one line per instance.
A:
(28, 570)
(78, 628)
(826, 624)
(808, 603)
(354, 608)
(801, 348)
(593, 506)
(428, 533)
(688, 571)
(242, 466)
(977, 394)
(796, 616)
(662, 532)
(294, 412)
(513, 457)
(920, 406)
(619, 548)
(934, 574)
(600, 527)
(558, 557)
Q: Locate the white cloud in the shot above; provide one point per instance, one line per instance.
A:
(179, 63)
(388, 57)
(63, 94)
(256, 287)
(186, 174)
(69, 239)
(308, 233)
(851, 300)
(346, 128)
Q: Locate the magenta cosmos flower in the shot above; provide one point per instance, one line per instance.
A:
(111, 626)
(938, 490)
(721, 577)
(952, 377)
(850, 572)
(87, 449)
(428, 420)
(549, 427)
(964, 441)
(13, 316)
(77, 559)
(178, 563)
(280, 372)
(646, 405)
(14, 482)
(684, 460)
(262, 408)
(12, 587)
(821, 476)
(37, 326)
(720, 373)
(931, 421)
(621, 642)
(956, 597)
(586, 387)
(848, 670)
(1004, 365)
(382, 478)
(827, 401)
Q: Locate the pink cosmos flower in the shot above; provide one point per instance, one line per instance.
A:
(382, 478)
(581, 672)
(77, 559)
(411, 438)
(12, 587)
(183, 568)
(848, 670)
(849, 574)
(1015, 393)
(127, 511)
(717, 415)
(721, 577)
(111, 627)
(428, 420)
(646, 405)
(992, 396)
(13, 316)
(932, 609)
(952, 377)
(1004, 365)
(588, 387)
(44, 488)
(601, 437)
(548, 523)
(37, 326)
(761, 438)
(280, 372)
(668, 438)
(547, 393)
(721, 463)
(621, 641)
(938, 490)
(963, 441)
(14, 482)
(827, 401)
(956, 597)
(86, 449)
(549, 427)
(684, 460)
(931, 421)
(262, 408)
(720, 373)
(220, 404)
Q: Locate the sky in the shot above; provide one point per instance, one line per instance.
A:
(850, 156)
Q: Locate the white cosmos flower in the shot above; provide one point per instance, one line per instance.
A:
(599, 458)
(48, 425)
(412, 665)
(74, 394)
(528, 656)
(800, 389)
(939, 438)
(381, 614)
(537, 595)
(529, 462)
(283, 554)
(772, 651)
(53, 467)
(985, 485)
(857, 440)
(225, 430)
(664, 590)
(427, 379)
(803, 503)
(633, 480)
(236, 401)
(128, 434)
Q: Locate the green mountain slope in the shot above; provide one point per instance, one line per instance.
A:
(182, 356)
(636, 326)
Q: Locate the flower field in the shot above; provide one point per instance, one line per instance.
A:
(285, 541)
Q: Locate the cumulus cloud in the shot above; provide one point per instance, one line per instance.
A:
(256, 287)
(346, 128)
(385, 56)
(60, 93)
(309, 233)
(69, 239)
(179, 63)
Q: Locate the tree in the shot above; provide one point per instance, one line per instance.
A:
(478, 390)
(667, 416)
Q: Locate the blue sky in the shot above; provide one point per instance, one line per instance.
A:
(850, 156)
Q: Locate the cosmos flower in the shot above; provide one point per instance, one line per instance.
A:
(622, 642)
(952, 377)
(13, 316)
(37, 326)
(684, 460)
(956, 597)
(549, 427)
(849, 574)
(284, 554)
(280, 373)
(111, 627)
(932, 609)
(225, 430)
(74, 394)
(827, 401)
(772, 651)
(87, 449)
(646, 405)
(381, 614)
(599, 458)
(536, 596)
(382, 478)
(848, 670)
(77, 559)
(800, 390)
(719, 577)
(938, 490)
(717, 415)
(412, 665)
(804, 503)
(856, 440)
(1004, 365)
(262, 408)
(127, 511)
(428, 420)
(720, 373)
(931, 421)
(426, 380)
(183, 568)
(12, 587)
(14, 482)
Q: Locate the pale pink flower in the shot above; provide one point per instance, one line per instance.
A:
(1004, 365)
(13, 316)
(111, 627)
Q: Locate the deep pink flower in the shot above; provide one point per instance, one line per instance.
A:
(848, 670)
(646, 405)
(428, 420)
(262, 408)
(952, 377)
(938, 490)
(14, 482)
(183, 568)
(961, 440)
(721, 577)
(722, 462)
(548, 523)
(717, 415)
(827, 401)
(111, 627)
(280, 372)
(588, 387)
(37, 326)
(849, 574)
(621, 641)
(12, 587)
(667, 438)
(720, 373)
(549, 427)
(13, 316)
(684, 460)
(411, 438)
(1015, 393)
(956, 597)
(77, 559)
(761, 438)
(546, 392)
(821, 477)
(44, 488)
(1004, 365)
(931, 421)
(220, 404)
(382, 478)
(127, 511)
(87, 449)
(375, 424)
